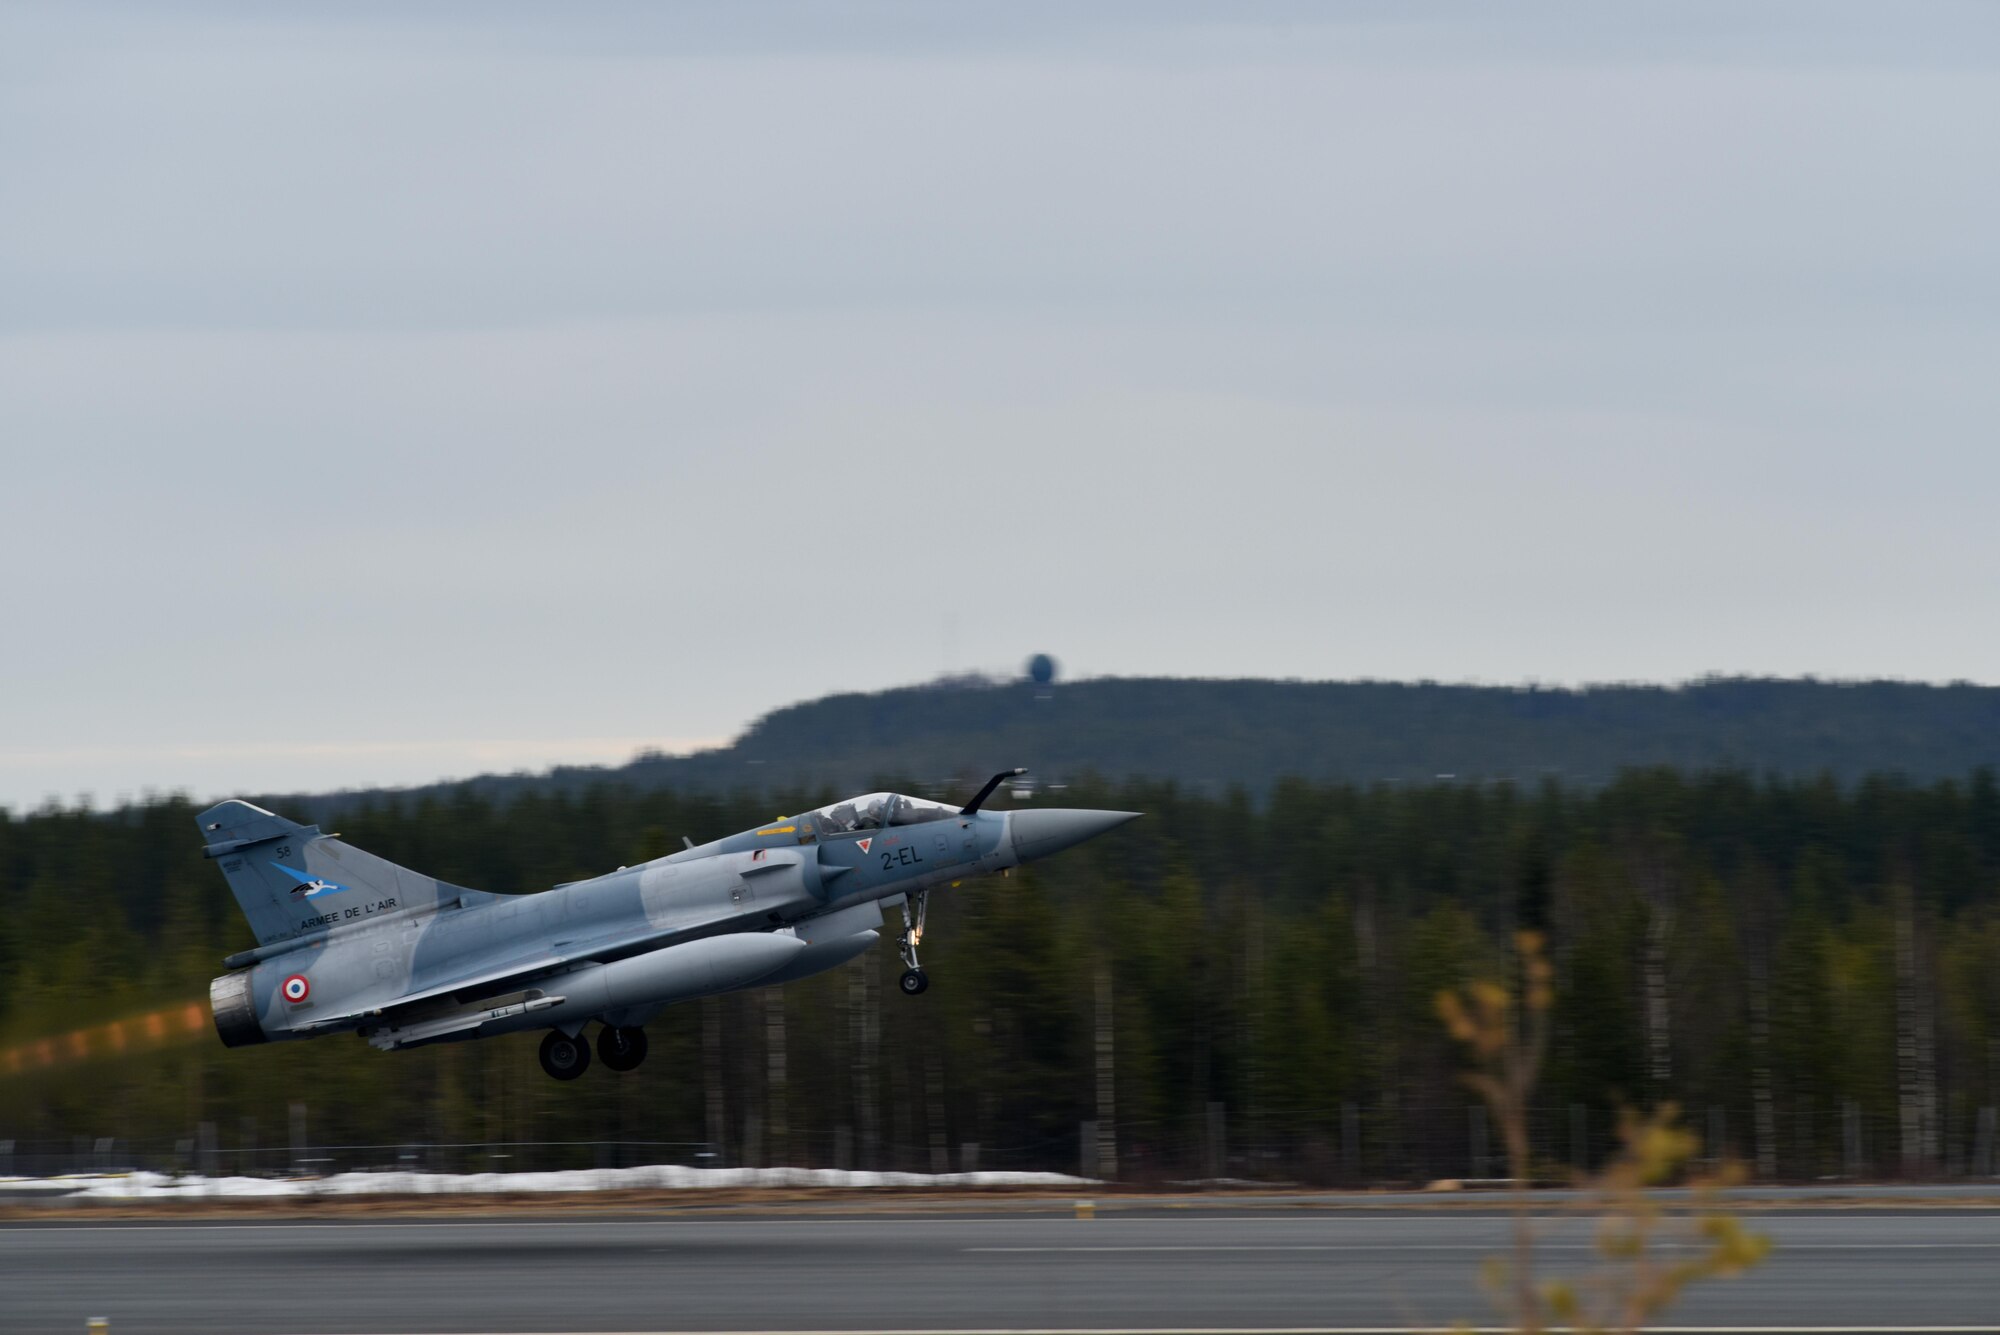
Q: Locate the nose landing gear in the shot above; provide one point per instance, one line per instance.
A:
(914, 980)
(620, 1048)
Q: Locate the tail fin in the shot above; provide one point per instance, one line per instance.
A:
(290, 879)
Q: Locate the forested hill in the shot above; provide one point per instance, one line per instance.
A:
(1211, 734)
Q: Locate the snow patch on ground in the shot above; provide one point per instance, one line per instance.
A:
(656, 1177)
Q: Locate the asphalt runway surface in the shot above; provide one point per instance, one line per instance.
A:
(1213, 1268)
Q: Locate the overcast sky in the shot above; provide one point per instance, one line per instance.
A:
(394, 392)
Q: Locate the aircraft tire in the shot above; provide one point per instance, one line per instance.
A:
(621, 1049)
(564, 1057)
(915, 982)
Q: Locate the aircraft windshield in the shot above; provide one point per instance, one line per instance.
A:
(876, 809)
(916, 811)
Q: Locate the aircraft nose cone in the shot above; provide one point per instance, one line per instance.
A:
(1040, 833)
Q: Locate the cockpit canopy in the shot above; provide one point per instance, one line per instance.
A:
(875, 810)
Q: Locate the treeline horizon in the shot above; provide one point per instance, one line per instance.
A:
(1215, 734)
(1229, 987)
(1212, 735)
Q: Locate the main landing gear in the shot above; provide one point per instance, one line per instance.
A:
(621, 1048)
(566, 1057)
(914, 980)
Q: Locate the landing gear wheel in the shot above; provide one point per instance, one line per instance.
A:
(621, 1048)
(914, 981)
(564, 1057)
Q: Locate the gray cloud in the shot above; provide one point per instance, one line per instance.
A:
(375, 386)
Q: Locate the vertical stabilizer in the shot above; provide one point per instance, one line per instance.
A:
(290, 879)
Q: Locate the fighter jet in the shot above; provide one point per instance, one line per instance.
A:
(350, 943)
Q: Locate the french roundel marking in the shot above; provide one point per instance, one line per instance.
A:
(296, 988)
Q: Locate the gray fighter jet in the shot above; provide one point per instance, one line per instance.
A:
(350, 943)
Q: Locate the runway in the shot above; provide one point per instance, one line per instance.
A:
(1197, 1269)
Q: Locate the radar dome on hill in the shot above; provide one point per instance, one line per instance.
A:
(1042, 670)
